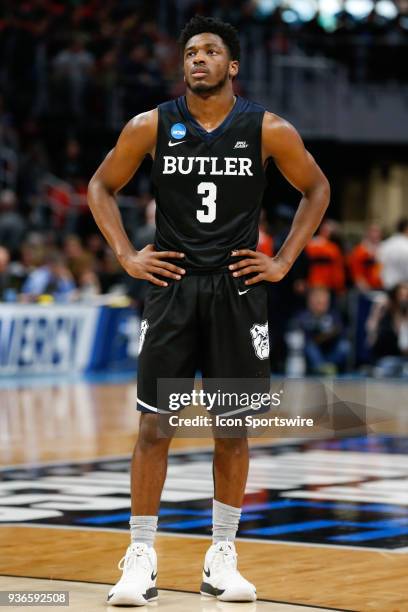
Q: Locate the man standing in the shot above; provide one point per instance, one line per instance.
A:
(393, 255)
(207, 291)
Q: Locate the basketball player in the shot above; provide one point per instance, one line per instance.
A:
(206, 302)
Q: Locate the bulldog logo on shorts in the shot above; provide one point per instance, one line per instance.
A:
(260, 339)
(144, 325)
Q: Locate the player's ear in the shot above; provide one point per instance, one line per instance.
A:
(233, 68)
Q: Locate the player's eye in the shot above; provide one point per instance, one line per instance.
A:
(189, 53)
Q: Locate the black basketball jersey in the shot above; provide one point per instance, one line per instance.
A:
(208, 185)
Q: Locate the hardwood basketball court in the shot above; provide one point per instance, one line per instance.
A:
(325, 525)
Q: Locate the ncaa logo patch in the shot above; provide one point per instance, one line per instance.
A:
(260, 339)
(178, 131)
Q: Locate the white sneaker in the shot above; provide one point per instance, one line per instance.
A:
(221, 578)
(138, 583)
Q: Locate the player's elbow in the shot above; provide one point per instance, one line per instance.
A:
(325, 189)
(322, 190)
(96, 188)
(93, 189)
(95, 183)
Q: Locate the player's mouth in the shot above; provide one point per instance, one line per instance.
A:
(199, 73)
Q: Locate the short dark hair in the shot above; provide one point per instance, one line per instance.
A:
(199, 24)
(402, 225)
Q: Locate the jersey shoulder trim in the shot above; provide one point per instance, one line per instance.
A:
(248, 106)
(244, 105)
(168, 107)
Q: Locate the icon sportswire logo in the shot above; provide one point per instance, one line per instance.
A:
(174, 144)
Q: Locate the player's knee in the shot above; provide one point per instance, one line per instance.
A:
(149, 434)
(234, 446)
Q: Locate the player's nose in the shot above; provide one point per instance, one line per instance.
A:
(199, 59)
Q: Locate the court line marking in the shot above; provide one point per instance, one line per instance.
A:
(108, 584)
(176, 451)
(383, 551)
(181, 451)
(40, 464)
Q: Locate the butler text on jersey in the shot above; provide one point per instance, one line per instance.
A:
(229, 166)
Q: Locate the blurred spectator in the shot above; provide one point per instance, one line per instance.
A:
(8, 134)
(393, 255)
(8, 167)
(72, 163)
(326, 261)
(363, 263)
(5, 277)
(136, 287)
(12, 224)
(326, 348)
(286, 298)
(73, 172)
(78, 260)
(88, 285)
(8, 147)
(72, 68)
(53, 278)
(34, 165)
(387, 329)
(145, 234)
(32, 253)
(12, 275)
(95, 246)
(142, 79)
(265, 241)
(112, 277)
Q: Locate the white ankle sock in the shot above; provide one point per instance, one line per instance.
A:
(225, 522)
(143, 529)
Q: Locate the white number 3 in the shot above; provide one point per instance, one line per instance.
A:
(210, 191)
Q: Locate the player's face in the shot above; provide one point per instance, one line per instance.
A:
(207, 63)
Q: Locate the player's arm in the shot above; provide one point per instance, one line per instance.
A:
(282, 142)
(137, 139)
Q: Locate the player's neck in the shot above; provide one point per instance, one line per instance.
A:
(210, 111)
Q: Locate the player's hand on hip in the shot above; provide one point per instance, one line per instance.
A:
(271, 269)
(148, 262)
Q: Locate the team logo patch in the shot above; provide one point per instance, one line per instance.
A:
(178, 131)
(260, 339)
(144, 326)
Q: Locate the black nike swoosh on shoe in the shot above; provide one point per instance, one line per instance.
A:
(210, 590)
(206, 572)
(150, 593)
(110, 596)
(153, 576)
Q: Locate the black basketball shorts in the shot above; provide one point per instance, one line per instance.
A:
(212, 323)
